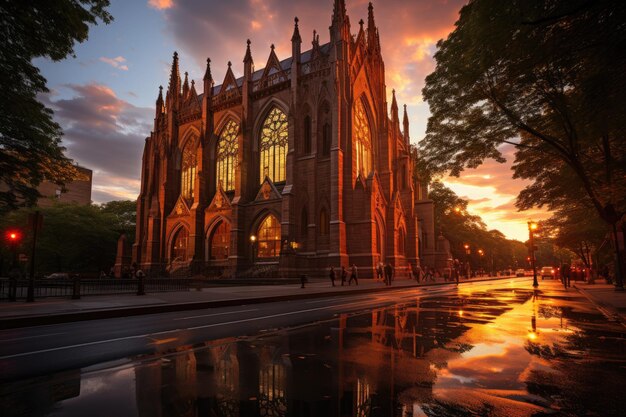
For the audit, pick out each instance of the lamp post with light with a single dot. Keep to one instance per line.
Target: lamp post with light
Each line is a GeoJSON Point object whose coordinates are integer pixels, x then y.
{"type": "Point", "coordinates": [481, 253]}
{"type": "Point", "coordinates": [532, 226]}
{"type": "Point", "coordinates": [467, 265]}
{"type": "Point", "coordinates": [252, 242]}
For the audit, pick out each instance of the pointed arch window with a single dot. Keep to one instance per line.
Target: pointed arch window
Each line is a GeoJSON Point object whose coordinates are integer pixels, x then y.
{"type": "Point", "coordinates": [188, 170]}
{"type": "Point", "coordinates": [268, 237]}
{"type": "Point", "coordinates": [220, 242]}
{"type": "Point", "coordinates": [326, 139]}
{"type": "Point", "coordinates": [324, 222]}
{"type": "Point", "coordinates": [307, 135]}
{"type": "Point", "coordinates": [273, 146]}
{"type": "Point", "coordinates": [226, 156]}
{"type": "Point", "coordinates": [401, 241]}
{"type": "Point", "coordinates": [179, 245]}
{"type": "Point", "coordinates": [362, 140]}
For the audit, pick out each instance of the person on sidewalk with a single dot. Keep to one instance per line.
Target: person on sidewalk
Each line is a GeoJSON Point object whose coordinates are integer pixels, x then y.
{"type": "Point", "coordinates": [379, 272]}
{"type": "Point", "coordinates": [417, 273]}
{"type": "Point", "coordinates": [332, 275]}
{"type": "Point", "coordinates": [388, 274]}
{"type": "Point", "coordinates": [344, 275]}
{"type": "Point", "coordinates": [410, 271]}
{"type": "Point", "coordinates": [354, 275]}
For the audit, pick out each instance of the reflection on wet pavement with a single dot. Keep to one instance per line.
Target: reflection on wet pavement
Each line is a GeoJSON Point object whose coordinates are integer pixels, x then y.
{"type": "Point", "coordinates": [507, 352]}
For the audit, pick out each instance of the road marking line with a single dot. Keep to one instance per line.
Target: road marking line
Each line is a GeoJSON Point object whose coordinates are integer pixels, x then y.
{"type": "Point", "coordinates": [217, 314]}
{"type": "Point", "coordinates": [31, 337]}
{"type": "Point", "coordinates": [117, 339]}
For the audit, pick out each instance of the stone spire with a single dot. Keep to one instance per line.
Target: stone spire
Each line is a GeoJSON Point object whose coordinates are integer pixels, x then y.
{"type": "Point", "coordinates": [339, 11]}
{"type": "Point", "coordinates": [405, 124]}
{"type": "Point", "coordinates": [296, 42]}
{"type": "Point", "coordinates": [159, 102]}
{"type": "Point", "coordinates": [372, 38]}
{"type": "Point", "coordinates": [248, 62]}
{"type": "Point", "coordinates": [186, 86]}
{"type": "Point", "coordinates": [173, 92]}
{"type": "Point", "coordinates": [207, 73]}
{"type": "Point", "coordinates": [394, 109]}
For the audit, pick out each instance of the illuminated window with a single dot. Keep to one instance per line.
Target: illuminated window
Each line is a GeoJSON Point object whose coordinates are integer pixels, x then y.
{"type": "Point", "coordinates": [362, 140]}
{"type": "Point", "coordinates": [220, 242]}
{"type": "Point", "coordinates": [324, 222]}
{"type": "Point", "coordinates": [179, 245]}
{"type": "Point", "coordinates": [273, 146]}
{"type": "Point", "coordinates": [307, 135]}
{"type": "Point", "coordinates": [188, 170]}
{"type": "Point", "coordinates": [226, 156]}
{"type": "Point", "coordinates": [268, 237]}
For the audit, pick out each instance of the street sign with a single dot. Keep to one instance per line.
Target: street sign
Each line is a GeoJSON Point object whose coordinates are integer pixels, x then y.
{"type": "Point", "coordinates": [23, 257]}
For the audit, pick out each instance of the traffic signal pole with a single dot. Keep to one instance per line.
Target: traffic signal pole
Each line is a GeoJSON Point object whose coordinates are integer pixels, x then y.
{"type": "Point", "coordinates": [531, 236]}
{"type": "Point", "coordinates": [35, 224]}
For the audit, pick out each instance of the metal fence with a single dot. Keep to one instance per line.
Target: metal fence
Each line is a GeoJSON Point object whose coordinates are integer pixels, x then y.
{"type": "Point", "coordinates": [104, 286]}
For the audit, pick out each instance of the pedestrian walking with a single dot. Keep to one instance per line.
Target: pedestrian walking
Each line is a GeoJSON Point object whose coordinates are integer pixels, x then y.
{"type": "Point", "coordinates": [388, 274]}
{"type": "Point", "coordinates": [332, 275]}
{"type": "Point", "coordinates": [417, 273]}
{"type": "Point", "coordinates": [410, 271]}
{"type": "Point", "coordinates": [379, 271]}
{"type": "Point", "coordinates": [344, 275]}
{"type": "Point", "coordinates": [566, 275]}
{"type": "Point", "coordinates": [354, 275]}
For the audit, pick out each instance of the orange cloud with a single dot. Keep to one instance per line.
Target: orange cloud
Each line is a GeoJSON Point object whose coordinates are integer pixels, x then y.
{"type": "Point", "coordinates": [161, 4]}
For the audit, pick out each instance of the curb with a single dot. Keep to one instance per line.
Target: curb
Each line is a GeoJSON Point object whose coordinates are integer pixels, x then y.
{"type": "Point", "coordinates": [610, 312]}
{"type": "Point", "coordinates": [43, 320]}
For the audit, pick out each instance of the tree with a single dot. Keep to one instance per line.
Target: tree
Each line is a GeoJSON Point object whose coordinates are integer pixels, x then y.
{"type": "Point", "coordinates": [548, 77]}
{"type": "Point", "coordinates": [125, 214]}
{"type": "Point", "coordinates": [30, 141]}
{"type": "Point", "coordinates": [74, 238]}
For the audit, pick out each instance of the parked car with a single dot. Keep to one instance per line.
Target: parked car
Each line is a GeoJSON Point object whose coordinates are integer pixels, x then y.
{"type": "Point", "coordinates": [547, 271]}
{"type": "Point", "coordinates": [60, 275]}
{"type": "Point", "coordinates": [520, 272]}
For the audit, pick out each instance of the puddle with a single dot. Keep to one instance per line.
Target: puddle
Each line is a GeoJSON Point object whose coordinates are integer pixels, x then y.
{"type": "Point", "coordinates": [502, 353]}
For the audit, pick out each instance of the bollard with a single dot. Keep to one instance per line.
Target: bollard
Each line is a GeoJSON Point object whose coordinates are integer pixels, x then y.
{"type": "Point", "coordinates": [76, 288]}
{"type": "Point", "coordinates": [140, 285]}
{"type": "Point", "coordinates": [303, 280]}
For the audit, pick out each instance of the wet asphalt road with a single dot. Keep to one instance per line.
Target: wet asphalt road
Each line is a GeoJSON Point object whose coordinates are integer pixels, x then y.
{"type": "Point", "coordinates": [484, 349]}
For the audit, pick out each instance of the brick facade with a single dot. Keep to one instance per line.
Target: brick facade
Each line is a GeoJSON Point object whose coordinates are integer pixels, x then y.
{"type": "Point", "coordinates": [330, 212]}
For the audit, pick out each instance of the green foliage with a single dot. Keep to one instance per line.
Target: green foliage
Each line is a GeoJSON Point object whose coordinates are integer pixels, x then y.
{"type": "Point", "coordinates": [547, 76]}
{"type": "Point", "coordinates": [30, 141]}
{"type": "Point", "coordinates": [460, 228]}
{"type": "Point", "coordinates": [74, 238]}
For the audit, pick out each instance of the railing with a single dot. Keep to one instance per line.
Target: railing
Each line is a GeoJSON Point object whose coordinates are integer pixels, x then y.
{"type": "Point", "coordinates": [75, 289]}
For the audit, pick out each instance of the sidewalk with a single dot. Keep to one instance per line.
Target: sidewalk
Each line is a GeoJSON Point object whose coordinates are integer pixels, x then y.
{"type": "Point", "coordinates": [62, 310]}
{"type": "Point", "coordinates": [610, 302]}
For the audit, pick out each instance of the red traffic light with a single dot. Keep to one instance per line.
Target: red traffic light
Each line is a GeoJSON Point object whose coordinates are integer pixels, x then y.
{"type": "Point", "coordinates": [13, 236]}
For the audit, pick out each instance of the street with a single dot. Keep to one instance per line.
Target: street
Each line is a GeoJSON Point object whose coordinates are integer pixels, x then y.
{"type": "Point", "coordinates": [488, 349]}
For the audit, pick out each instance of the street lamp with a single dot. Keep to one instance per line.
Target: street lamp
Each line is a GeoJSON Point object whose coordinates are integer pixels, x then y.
{"type": "Point", "coordinates": [467, 254]}
{"type": "Point", "coordinates": [252, 242]}
{"type": "Point", "coordinates": [532, 226]}
{"type": "Point", "coordinates": [481, 253]}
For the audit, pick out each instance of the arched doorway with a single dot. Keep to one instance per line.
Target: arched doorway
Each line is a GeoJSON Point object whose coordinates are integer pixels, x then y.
{"type": "Point", "coordinates": [179, 245]}
{"type": "Point", "coordinates": [268, 238]}
{"type": "Point", "coordinates": [219, 242]}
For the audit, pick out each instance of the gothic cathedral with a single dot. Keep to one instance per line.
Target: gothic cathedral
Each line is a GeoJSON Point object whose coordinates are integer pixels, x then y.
{"type": "Point", "coordinates": [288, 169]}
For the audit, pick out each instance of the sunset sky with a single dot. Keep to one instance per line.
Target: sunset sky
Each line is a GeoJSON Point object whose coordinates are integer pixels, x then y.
{"type": "Point", "coordinates": [104, 97]}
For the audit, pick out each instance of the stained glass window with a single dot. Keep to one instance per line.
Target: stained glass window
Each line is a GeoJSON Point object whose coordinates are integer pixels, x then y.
{"type": "Point", "coordinates": [273, 146]}
{"type": "Point", "coordinates": [226, 156]}
{"type": "Point", "coordinates": [268, 238]}
{"type": "Point", "coordinates": [179, 245]}
{"type": "Point", "coordinates": [188, 170]}
{"type": "Point", "coordinates": [362, 140]}
{"type": "Point", "coordinates": [220, 242]}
